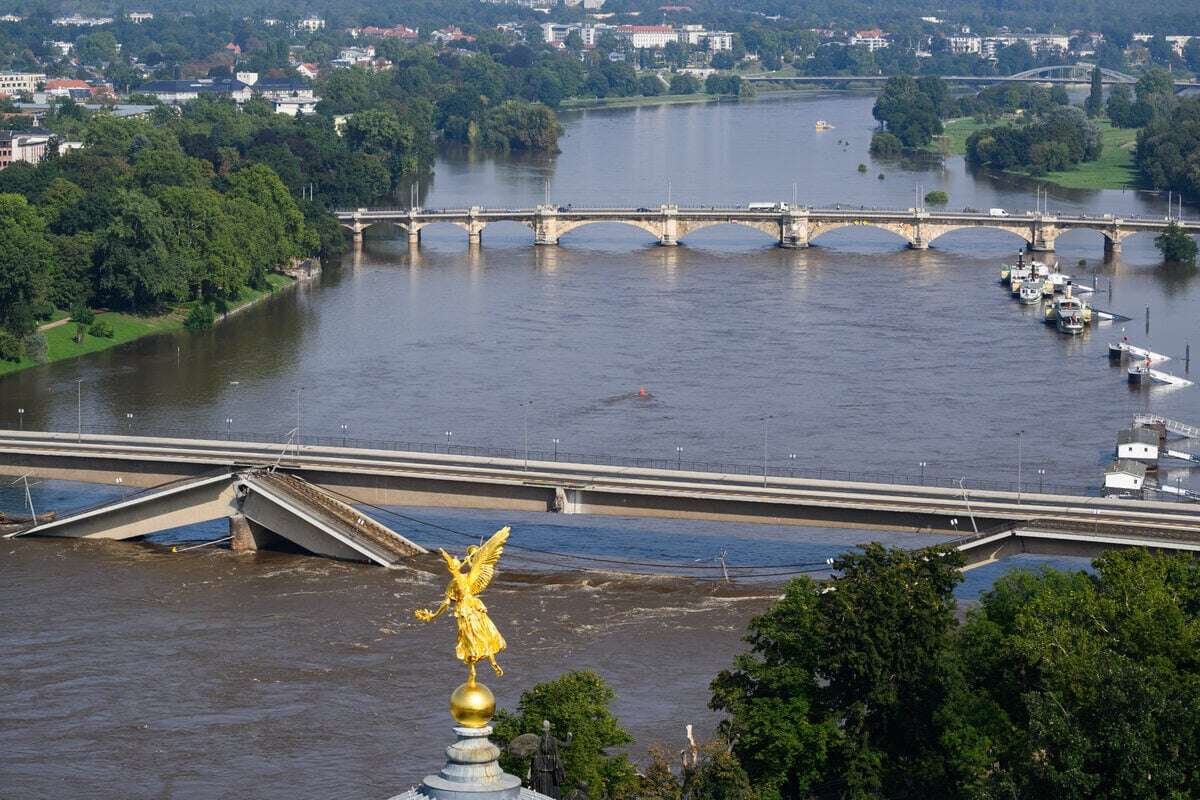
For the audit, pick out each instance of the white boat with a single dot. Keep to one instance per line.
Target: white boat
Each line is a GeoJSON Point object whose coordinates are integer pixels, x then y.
{"type": "Point", "coordinates": [1068, 313]}
{"type": "Point", "coordinates": [1006, 271]}
{"type": "Point", "coordinates": [1029, 293]}
{"type": "Point", "coordinates": [1055, 282]}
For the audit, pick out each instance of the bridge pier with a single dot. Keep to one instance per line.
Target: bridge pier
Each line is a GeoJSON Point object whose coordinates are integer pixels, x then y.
{"type": "Point", "coordinates": [669, 237]}
{"type": "Point", "coordinates": [247, 536]}
{"type": "Point", "coordinates": [793, 232]}
{"type": "Point", "coordinates": [545, 226]}
{"type": "Point", "coordinates": [1043, 238]}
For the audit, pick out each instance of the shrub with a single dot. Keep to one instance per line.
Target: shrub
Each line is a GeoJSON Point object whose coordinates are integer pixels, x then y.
{"type": "Point", "coordinates": [37, 348]}
{"type": "Point", "coordinates": [101, 330]}
{"type": "Point", "coordinates": [10, 347]}
{"type": "Point", "coordinates": [200, 318]}
{"type": "Point", "coordinates": [862, 168]}
{"type": "Point", "coordinates": [881, 176]}
{"type": "Point", "coordinates": [885, 144]}
{"type": "Point", "coordinates": [82, 314]}
{"type": "Point", "coordinates": [1176, 245]}
{"type": "Point", "coordinates": [937, 198]}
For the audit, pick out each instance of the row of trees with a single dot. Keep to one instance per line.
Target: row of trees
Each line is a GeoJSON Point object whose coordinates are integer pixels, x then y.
{"type": "Point", "coordinates": [134, 222]}
{"type": "Point", "coordinates": [1076, 686]}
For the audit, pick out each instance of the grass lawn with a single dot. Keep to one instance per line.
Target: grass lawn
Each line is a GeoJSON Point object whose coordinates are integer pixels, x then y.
{"type": "Point", "coordinates": [1113, 170]}
{"type": "Point", "coordinates": [60, 341]}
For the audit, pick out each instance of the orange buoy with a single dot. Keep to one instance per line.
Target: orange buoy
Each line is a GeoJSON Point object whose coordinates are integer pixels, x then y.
{"type": "Point", "coordinates": [642, 391]}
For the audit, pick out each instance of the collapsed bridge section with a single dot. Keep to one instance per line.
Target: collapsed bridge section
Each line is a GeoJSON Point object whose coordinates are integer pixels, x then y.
{"type": "Point", "coordinates": [263, 507]}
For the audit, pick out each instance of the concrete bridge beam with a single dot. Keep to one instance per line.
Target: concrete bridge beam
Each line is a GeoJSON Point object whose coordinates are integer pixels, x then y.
{"type": "Point", "coordinates": [669, 235]}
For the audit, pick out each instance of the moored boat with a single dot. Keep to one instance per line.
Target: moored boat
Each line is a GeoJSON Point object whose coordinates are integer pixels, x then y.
{"type": "Point", "coordinates": [1030, 293]}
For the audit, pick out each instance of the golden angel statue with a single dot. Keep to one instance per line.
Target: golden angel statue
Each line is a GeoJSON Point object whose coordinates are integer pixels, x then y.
{"type": "Point", "coordinates": [477, 635]}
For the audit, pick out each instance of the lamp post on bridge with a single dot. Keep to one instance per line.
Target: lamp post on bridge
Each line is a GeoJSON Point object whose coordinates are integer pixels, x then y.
{"type": "Point", "coordinates": [678, 459]}
{"type": "Point", "coordinates": [1041, 481]}
{"type": "Point", "coordinates": [923, 464]}
{"type": "Point", "coordinates": [525, 413]}
{"type": "Point", "coordinates": [345, 430]}
{"type": "Point", "coordinates": [449, 434]}
{"type": "Point", "coordinates": [228, 428]}
{"type": "Point", "coordinates": [1020, 434]}
{"type": "Point", "coordinates": [764, 422]}
{"type": "Point", "coordinates": [21, 416]}
{"type": "Point", "coordinates": [129, 422]}
{"type": "Point", "coordinates": [79, 409]}
{"type": "Point", "coordinates": [555, 440]}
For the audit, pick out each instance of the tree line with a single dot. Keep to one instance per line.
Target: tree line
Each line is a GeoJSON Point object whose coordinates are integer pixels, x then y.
{"type": "Point", "coordinates": [136, 221]}
{"type": "Point", "coordinates": [1072, 685]}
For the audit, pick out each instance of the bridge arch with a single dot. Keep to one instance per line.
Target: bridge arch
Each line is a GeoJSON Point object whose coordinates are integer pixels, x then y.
{"type": "Point", "coordinates": [1081, 71]}
{"type": "Point", "coordinates": [934, 232]}
{"type": "Point", "coordinates": [769, 227]}
{"type": "Point", "coordinates": [563, 227]}
{"type": "Point", "coordinates": [905, 232]}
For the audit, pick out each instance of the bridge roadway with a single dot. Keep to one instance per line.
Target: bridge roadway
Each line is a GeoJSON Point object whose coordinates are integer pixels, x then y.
{"type": "Point", "coordinates": [975, 80]}
{"type": "Point", "coordinates": [790, 227]}
{"type": "Point", "coordinates": [1067, 524]}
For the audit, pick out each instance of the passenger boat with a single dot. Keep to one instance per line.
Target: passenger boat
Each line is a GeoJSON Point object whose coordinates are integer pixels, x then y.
{"type": "Point", "coordinates": [1029, 293]}
{"type": "Point", "coordinates": [1055, 282]}
{"type": "Point", "coordinates": [1067, 308]}
{"type": "Point", "coordinates": [1006, 271]}
{"type": "Point", "coordinates": [822, 125]}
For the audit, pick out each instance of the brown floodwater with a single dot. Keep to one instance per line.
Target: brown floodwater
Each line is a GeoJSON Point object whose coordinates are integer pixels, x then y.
{"type": "Point", "coordinates": [131, 672]}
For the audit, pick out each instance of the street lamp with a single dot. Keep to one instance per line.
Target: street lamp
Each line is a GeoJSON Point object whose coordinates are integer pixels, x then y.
{"type": "Point", "coordinates": [525, 413]}
{"type": "Point", "coordinates": [448, 435]}
{"type": "Point", "coordinates": [1041, 481]}
{"type": "Point", "coordinates": [1019, 435]}
{"type": "Point", "coordinates": [792, 464]}
{"type": "Point", "coordinates": [129, 422]}
{"type": "Point", "coordinates": [924, 464]}
{"type": "Point", "coordinates": [228, 428]}
{"type": "Point", "coordinates": [79, 408]}
{"type": "Point", "coordinates": [345, 429]}
{"type": "Point", "coordinates": [764, 422]}
{"type": "Point", "coordinates": [299, 390]}
{"type": "Point", "coordinates": [21, 414]}
{"type": "Point", "coordinates": [555, 440]}
{"type": "Point", "coordinates": [678, 458]}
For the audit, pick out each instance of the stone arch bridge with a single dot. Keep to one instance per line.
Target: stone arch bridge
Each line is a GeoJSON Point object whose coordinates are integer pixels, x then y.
{"type": "Point", "coordinates": [789, 227]}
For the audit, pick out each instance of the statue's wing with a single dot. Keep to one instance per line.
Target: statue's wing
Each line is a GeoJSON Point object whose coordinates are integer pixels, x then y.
{"type": "Point", "coordinates": [483, 563]}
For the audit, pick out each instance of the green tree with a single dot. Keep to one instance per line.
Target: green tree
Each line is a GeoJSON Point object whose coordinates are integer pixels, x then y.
{"type": "Point", "coordinates": [684, 84]}
{"type": "Point", "coordinates": [575, 703]}
{"type": "Point", "coordinates": [909, 110]}
{"type": "Point", "coordinates": [24, 259]}
{"type": "Point", "coordinates": [1095, 100]}
{"type": "Point", "coordinates": [651, 85]}
{"type": "Point", "coordinates": [1176, 245]}
{"type": "Point", "coordinates": [133, 267]}
{"type": "Point", "coordinates": [719, 776]}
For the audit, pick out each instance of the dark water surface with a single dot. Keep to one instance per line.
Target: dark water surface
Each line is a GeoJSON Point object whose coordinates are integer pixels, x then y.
{"type": "Point", "coordinates": [129, 671]}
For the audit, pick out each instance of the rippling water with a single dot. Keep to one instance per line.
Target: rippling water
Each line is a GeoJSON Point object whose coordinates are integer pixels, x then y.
{"type": "Point", "coordinates": [129, 670]}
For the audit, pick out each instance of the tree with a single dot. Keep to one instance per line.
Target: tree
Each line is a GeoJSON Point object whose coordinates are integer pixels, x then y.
{"type": "Point", "coordinates": [576, 704]}
{"type": "Point", "coordinates": [684, 84]}
{"type": "Point", "coordinates": [885, 145]}
{"type": "Point", "coordinates": [651, 85]}
{"type": "Point", "coordinates": [853, 682]}
{"type": "Point", "coordinates": [1176, 245]}
{"type": "Point", "coordinates": [1095, 101]}
{"type": "Point", "coordinates": [24, 258]}
{"type": "Point", "coordinates": [908, 110]}
{"type": "Point", "coordinates": [1091, 680]}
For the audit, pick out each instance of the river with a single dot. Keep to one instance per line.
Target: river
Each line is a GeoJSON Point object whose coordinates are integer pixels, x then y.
{"type": "Point", "coordinates": [130, 670]}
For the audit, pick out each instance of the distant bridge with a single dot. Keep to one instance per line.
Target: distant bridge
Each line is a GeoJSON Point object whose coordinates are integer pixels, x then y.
{"type": "Point", "coordinates": [1066, 74]}
{"type": "Point", "coordinates": [790, 227]}
{"type": "Point", "coordinates": [206, 479]}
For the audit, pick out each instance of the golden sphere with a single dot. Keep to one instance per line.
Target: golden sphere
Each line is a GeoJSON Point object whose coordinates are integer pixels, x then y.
{"type": "Point", "coordinates": [472, 705]}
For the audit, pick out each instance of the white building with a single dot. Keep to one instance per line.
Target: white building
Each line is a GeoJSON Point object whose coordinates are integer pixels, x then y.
{"type": "Point", "coordinates": [29, 146]}
{"type": "Point", "coordinates": [964, 45]}
{"type": "Point", "coordinates": [311, 24]}
{"type": "Point", "coordinates": [1177, 42]}
{"type": "Point", "coordinates": [17, 82]}
{"type": "Point", "coordinates": [1038, 43]}
{"type": "Point", "coordinates": [719, 41]}
{"type": "Point", "coordinates": [81, 21]}
{"type": "Point", "coordinates": [1139, 444]}
{"type": "Point", "coordinates": [557, 31]}
{"type": "Point", "coordinates": [1124, 477]}
{"type": "Point", "coordinates": [873, 39]}
{"type": "Point", "coordinates": [641, 37]}
{"type": "Point", "coordinates": [138, 17]}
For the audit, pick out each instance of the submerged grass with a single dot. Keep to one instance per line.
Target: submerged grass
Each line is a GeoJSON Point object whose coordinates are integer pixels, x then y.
{"type": "Point", "coordinates": [61, 344]}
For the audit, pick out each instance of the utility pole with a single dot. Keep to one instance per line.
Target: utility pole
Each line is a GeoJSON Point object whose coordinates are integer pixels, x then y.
{"type": "Point", "coordinates": [79, 408]}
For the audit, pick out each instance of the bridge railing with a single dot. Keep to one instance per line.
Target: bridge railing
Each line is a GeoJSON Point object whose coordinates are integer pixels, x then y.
{"type": "Point", "coordinates": [287, 446]}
